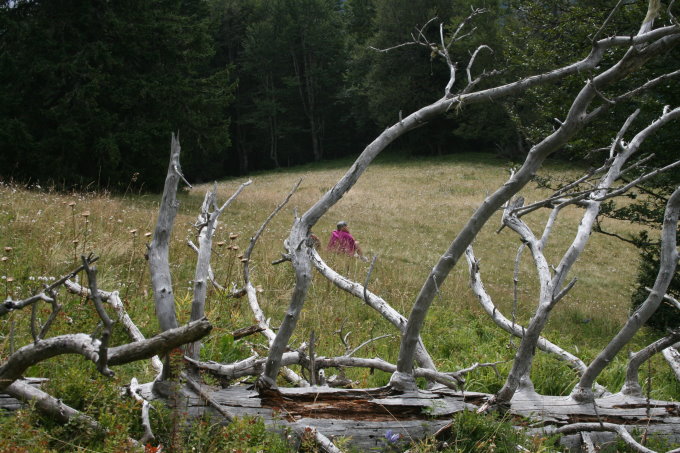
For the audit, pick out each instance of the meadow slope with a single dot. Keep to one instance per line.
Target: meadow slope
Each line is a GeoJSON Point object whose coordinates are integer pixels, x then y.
{"type": "Point", "coordinates": [405, 212]}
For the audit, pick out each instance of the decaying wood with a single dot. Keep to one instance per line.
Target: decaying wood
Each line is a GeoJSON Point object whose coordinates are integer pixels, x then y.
{"type": "Point", "coordinates": [655, 41]}
{"type": "Point", "coordinates": [247, 331]}
{"type": "Point", "coordinates": [251, 291]}
{"type": "Point", "coordinates": [10, 404]}
{"type": "Point", "coordinates": [102, 362]}
{"type": "Point", "coordinates": [22, 390]}
{"type": "Point", "coordinates": [365, 415]}
{"type": "Point", "coordinates": [253, 366]}
{"type": "Point", "coordinates": [672, 356]}
{"type": "Point", "coordinates": [323, 413]}
{"type": "Point", "coordinates": [669, 261]}
{"type": "Point", "coordinates": [577, 118]}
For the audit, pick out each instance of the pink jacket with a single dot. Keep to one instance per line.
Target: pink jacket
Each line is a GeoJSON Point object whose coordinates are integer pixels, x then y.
{"type": "Point", "coordinates": [342, 241]}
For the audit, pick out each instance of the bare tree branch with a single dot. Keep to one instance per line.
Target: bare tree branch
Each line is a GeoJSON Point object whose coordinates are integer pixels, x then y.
{"type": "Point", "coordinates": [88, 347]}
{"type": "Point", "coordinates": [377, 303]}
{"type": "Point", "coordinates": [10, 305]}
{"type": "Point", "coordinates": [618, 429]}
{"type": "Point", "coordinates": [113, 298]}
{"type": "Point", "coordinates": [102, 365]}
{"type": "Point", "coordinates": [656, 42]}
{"type": "Point", "coordinates": [207, 221]}
{"type": "Point", "coordinates": [632, 385]}
{"type": "Point", "coordinates": [668, 263]}
{"type": "Point", "coordinates": [133, 390]}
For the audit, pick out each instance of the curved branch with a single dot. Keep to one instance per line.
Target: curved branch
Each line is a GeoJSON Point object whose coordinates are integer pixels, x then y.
{"type": "Point", "coordinates": [668, 262]}
{"type": "Point", "coordinates": [659, 41]}
{"type": "Point", "coordinates": [612, 427]}
{"type": "Point", "coordinates": [113, 298]}
{"type": "Point", "coordinates": [511, 327]}
{"type": "Point", "coordinates": [253, 366]}
{"type": "Point", "coordinates": [632, 384]}
{"type": "Point", "coordinates": [88, 347]}
{"type": "Point", "coordinates": [375, 302]}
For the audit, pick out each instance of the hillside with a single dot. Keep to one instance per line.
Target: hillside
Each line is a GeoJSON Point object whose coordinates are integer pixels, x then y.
{"type": "Point", "coordinates": [405, 212]}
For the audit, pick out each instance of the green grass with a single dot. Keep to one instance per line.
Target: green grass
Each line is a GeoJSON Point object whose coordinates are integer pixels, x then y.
{"type": "Point", "coordinates": [405, 212]}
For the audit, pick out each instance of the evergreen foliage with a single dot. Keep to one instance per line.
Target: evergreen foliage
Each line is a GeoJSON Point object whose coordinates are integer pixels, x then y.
{"type": "Point", "coordinates": [92, 90]}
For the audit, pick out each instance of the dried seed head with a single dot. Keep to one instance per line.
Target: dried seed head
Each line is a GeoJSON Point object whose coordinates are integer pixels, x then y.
{"type": "Point", "coordinates": [220, 243]}
{"type": "Point", "coordinates": [4, 258]}
{"type": "Point", "coordinates": [85, 214]}
{"type": "Point", "coordinates": [148, 234]}
{"type": "Point", "coordinates": [233, 236]}
{"type": "Point", "coordinates": [72, 204]}
{"type": "Point", "coordinates": [234, 247]}
{"type": "Point", "coordinates": [8, 249]}
{"type": "Point", "coordinates": [244, 260]}
{"type": "Point", "coordinates": [133, 232]}
{"type": "Point", "coordinates": [75, 241]}
{"type": "Point", "coordinates": [240, 256]}
{"type": "Point", "coordinates": [10, 279]}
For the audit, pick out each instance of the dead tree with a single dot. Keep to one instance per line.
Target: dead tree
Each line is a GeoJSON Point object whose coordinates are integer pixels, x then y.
{"type": "Point", "coordinates": [642, 48]}
{"type": "Point", "coordinates": [347, 409]}
{"type": "Point", "coordinates": [555, 284]}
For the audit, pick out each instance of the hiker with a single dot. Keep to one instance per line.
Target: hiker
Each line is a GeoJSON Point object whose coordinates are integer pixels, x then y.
{"type": "Point", "coordinates": [343, 242]}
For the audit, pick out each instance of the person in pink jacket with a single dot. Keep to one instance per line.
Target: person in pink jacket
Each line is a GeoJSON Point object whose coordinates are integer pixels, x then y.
{"type": "Point", "coordinates": [343, 242]}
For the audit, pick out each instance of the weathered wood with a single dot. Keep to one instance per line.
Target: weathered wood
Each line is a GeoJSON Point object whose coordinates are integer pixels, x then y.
{"type": "Point", "coordinates": [85, 345]}
{"type": "Point", "coordinates": [207, 224]}
{"type": "Point", "coordinates": [672, 356]}
{"type": "Point", "coordinates": [247, 331]}
{"type": "Point", "coordinates": [365, 415]}
{"type": "Point", "coordinates": [655, 41]}
{"type": "Point", "coordinates": [159, 249]}
{"type": "Point", "coordinates": [580, 113]}
{"type": "Point", "coordinates": [9, 403]}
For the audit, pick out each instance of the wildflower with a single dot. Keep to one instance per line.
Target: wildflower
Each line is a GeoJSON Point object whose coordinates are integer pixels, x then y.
{"type": "Point", "coordinates": [8, 249]}
{"type": "Point", "coordinates": [391, 436]}
{"type": "Point", "coordinates": [72, 204]}
{"type": "Point", "coordinates": [220, 244]}
{"type": "Point", "coordinates": [85, 214]}
{"type": "Point", "coordinates": [133, 232]}
{"type": "Point", "coordinates": [4, 258]}
{"type": "Point", "coordinates": [233, 236]}
{"type": "Point", "coordinates": [147, 234]}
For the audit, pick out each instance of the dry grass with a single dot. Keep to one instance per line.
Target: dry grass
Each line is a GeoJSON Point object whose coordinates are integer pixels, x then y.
{"type": "Point", "coordinates": [407, 213]}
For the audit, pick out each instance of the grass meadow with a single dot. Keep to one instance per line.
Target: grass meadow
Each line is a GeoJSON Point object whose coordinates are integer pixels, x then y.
{"type": "Point", "coordinates": [404, 211]}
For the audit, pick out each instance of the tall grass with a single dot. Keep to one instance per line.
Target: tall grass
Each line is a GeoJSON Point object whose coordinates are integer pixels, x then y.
{"type": "Point", "coordinates": [405, 212]}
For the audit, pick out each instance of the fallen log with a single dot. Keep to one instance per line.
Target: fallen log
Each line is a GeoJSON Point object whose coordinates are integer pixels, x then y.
{"type": "Point", "coordinates": [366, 415]}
